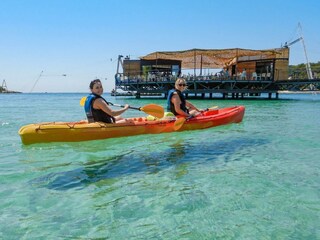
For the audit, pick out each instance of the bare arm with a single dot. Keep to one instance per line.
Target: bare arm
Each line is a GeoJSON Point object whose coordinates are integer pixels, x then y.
{"type": "Point", "coordinates": [100, 104]}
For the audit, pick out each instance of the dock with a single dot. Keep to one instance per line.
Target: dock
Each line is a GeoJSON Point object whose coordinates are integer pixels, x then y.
{"type": "Point", "coordinates": [220, 88]}
{"type": "Point", "coordinates": [211, 73]}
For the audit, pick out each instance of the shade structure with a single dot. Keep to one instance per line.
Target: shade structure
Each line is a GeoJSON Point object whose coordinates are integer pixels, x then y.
{"type": "Point", "coordinates": [214, 58]}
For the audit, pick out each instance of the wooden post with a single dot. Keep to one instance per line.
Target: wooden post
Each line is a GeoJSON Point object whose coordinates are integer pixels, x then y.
{"type": "Point", "coordinates": [194, 63]}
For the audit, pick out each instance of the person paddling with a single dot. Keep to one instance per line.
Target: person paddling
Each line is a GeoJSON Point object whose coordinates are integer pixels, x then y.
{"type": "Point", "coordinates": [177, 102]}
{"type": "Point", "coordinates": [97, 108]}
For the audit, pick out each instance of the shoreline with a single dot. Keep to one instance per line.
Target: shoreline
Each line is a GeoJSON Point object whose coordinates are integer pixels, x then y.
{"type": "Point", "coordinates": [8, 92]}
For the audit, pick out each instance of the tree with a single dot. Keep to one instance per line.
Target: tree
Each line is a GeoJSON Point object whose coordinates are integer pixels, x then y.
{"type": "Point", "coordinates": [299, 71]}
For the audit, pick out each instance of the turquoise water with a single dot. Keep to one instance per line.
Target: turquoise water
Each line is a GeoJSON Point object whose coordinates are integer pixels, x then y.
{"type": "Point", "coordinates": [259, 179]}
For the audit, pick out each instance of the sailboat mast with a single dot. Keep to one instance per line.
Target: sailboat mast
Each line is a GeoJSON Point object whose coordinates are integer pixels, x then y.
{"type": "Point", "coordinates": [308, 67]}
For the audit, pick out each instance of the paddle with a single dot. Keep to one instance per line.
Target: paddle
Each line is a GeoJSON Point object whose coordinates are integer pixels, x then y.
{"type": "Point", "coordinates": [151, 109]}
{"type": "Point", "coordinates": [180, 121]}
{"type": "Point", "coordinates": [82, 101]}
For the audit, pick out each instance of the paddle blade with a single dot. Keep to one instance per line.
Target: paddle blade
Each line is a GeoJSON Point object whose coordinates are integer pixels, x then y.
{"type": "Point", "coordinates": [82, 101]}
{"type": "Point", "coordinates": [179, 123]}
{"type": "Point", "coordinates": [153, 110]}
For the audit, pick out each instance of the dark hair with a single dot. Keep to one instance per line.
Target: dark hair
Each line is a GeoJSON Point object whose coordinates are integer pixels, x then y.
{"type": "Point", "coordinates": [93, 82]}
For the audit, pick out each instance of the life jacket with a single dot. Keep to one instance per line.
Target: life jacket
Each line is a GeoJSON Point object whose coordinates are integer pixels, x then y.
{"type": "Point", "coordinates": [170, 105]}
{"type": "Point", "coordinates": [96, 115]}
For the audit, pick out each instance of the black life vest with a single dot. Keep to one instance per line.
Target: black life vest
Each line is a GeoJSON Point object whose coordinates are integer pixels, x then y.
{"type": "Point", "coordinates": [96, 115]}
{"type": "Point", "coordinates": [170, 105]}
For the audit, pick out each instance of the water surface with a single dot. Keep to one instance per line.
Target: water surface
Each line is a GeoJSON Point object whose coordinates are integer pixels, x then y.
{"type": "Point", "coordinates": [255, 180]}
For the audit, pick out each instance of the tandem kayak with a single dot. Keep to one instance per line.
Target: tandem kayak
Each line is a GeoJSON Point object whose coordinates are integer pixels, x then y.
{"type": "Point", "coordinates": [84, 131]}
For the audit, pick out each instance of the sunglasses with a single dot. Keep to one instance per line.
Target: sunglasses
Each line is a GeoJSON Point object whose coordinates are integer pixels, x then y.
{"type": "Point", "coordinates": [182, 84]}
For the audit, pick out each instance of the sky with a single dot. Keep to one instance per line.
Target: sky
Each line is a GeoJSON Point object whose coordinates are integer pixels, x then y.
{"type": "Point", "coordinates": [61, 45]}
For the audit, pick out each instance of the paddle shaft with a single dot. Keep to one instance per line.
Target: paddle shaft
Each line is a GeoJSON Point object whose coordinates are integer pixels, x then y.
{"type": "Point", "coordinates": [118, 105]}
{"type": "Point", "coordinates": [151, 109]}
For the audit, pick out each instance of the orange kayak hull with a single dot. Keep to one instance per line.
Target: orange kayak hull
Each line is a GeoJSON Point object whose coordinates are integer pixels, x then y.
{"type": "Point", "coordinates": [83, 131]}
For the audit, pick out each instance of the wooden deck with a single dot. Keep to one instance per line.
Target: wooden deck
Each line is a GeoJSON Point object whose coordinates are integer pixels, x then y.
{"type": "Point", "coordinates": [223, 88]}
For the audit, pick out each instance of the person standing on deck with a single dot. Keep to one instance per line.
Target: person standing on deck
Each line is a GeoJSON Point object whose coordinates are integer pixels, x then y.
{"type": "Point", "coordinates": [244, 75]}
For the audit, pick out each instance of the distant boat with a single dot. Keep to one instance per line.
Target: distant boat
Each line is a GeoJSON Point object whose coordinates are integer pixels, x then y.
{"type": "Point", "coordinates": [115, 93]}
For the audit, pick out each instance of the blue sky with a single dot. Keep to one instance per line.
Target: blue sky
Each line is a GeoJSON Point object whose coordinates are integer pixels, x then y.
{"type": "Point", "coordinates": [82, 38]}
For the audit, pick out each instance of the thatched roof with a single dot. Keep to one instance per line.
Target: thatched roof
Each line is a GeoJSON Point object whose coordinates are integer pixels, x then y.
{"type": "Point", "coordinates": [213, 58]}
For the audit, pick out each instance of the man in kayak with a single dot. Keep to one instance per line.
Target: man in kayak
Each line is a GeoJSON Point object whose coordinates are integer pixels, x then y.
{"type": "Point", "coordinates": [97, 108]}
{"type": "Point", "coordinates": [177, 103]}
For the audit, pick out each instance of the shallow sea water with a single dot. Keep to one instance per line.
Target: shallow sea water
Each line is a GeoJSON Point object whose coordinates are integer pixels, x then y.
{"type": "Point", "coordinates": [259, 179]}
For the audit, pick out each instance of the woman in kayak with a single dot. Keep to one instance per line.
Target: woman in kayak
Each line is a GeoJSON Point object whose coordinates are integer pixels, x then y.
{"type": "Point", "coordinates": [97, 108]}
{"type": "Point", "coordinates": [177, 103]}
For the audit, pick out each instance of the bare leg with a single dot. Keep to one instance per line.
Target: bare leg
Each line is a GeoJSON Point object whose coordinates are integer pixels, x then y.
{"type": "Point", "coordinates": [194, 112]}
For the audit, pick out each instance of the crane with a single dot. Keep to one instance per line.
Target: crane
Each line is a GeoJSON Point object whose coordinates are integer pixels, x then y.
{"type": "Point", "coordinates": [286, 45]}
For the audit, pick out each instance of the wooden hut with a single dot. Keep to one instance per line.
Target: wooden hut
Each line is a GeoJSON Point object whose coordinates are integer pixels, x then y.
{"type": "Point", "coordinates": [271, 64]}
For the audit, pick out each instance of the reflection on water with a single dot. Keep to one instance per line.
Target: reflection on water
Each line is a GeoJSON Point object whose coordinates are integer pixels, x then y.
{"type": "Point", "coordinates": [132, 162]}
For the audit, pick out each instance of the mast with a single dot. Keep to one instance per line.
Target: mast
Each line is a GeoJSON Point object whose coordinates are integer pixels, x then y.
{"type": "Point", "coordinates": [35, 83]}
{"type": "Point", "coordinates": [194, 62]}
{"type": "Point", "coordinates": [308, 67]}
